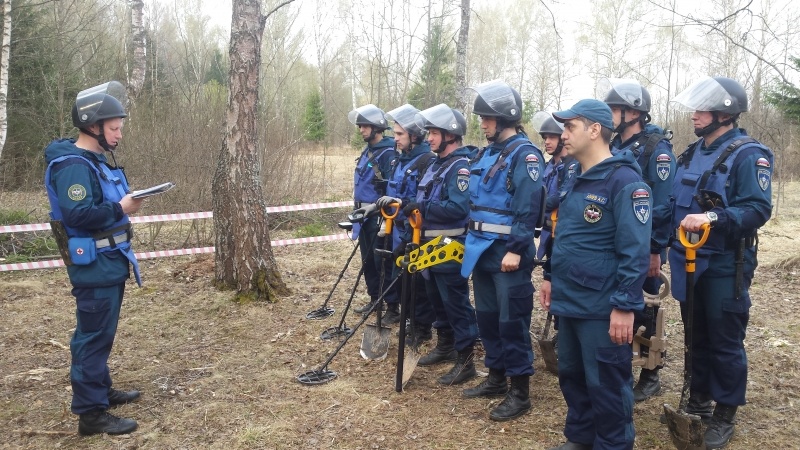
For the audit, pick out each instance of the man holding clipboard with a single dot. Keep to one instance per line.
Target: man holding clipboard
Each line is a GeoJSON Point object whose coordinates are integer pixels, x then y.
{"type": "Point", "coordinates": [90, 203]}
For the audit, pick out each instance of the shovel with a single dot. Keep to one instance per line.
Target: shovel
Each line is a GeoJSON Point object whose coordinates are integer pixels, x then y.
{"type": "Point", "coordinates": [407, 363]}
{"type": "Point", "coordinates": [548, 347]}
{"type": "Point", "coordinates": [685, 429]}
{"type": "Point", "coordinates": [375, 342]}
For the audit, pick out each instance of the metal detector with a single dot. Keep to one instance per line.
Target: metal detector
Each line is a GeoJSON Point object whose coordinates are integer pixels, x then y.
{"type": "Point", "coordinates": [685, 429]}
{"type": "Point", "coordinates": [323, 375]}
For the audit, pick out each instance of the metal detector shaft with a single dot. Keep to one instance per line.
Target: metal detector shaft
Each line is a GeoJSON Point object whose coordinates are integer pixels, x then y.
{"type": "Point", "coordinates": [401, 347]}
{"type": "Point", "coordinates": [360, 322]}
{"type": "Point", "coordinates": [311, 314]}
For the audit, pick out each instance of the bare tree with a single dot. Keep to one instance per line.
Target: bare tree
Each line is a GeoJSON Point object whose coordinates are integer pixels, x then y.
{"type": "Point", "coordinates": [461, 57]}
{"type": "Point", "coordinates": [244, 259]}
{"type": "Point", "coordinates": [5, 55]}
{"type": "Point", "coordinates": [139, 63]}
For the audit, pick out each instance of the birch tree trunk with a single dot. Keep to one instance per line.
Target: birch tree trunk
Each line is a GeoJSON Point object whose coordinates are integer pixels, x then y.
{"type": "Point", "coordinates": [5, 55]}
{"type": "Point", "coordinates": [461, 58]}
{"type": "Point", "coordinates": [244, 260]}
{"type": "Point", "coordinates": [139, 52]}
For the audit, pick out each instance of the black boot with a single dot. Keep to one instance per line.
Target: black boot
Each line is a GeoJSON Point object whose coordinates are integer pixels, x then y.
{"type": "Point", "coordinates": [363, 309]}
{"type": "Point", "coordinates": [444, 350]}
{"type": "Point", "coordinates": [116, 397]}
{"type": "Point", "coordinates": [648, 385]}
{"type": "Point", "coordinates": [463, 370]}
{"type": "Point", "coordinates": [517, 401]}
{"type": "Point", "coordinates": [421, 335]}
{"type": "Point", "coordinates": [392, 315]}
{"type": "Point", "coordinates": [569, 445]}
{"type": "Point", "coordinates": [99, 421]}
{"type": "Point", "coordinates": [720, 427]}
{"type": "Point", "coordinates": [495, 385]}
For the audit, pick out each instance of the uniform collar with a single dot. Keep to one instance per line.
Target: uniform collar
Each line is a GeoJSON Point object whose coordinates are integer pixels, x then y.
{"type": "Point", "coordinates": [604, 168]}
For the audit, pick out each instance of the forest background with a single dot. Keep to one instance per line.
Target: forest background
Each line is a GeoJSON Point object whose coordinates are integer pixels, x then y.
{"type": "Point", "coordinates": [322, 59]}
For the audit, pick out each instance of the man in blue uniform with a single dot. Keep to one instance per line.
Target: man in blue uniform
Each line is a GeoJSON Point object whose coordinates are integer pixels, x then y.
{"type": "Point", "coordinates": [593, 282]}
{"type": "Point", "coordinates": [506, 203]}
{"type": "Point", "coordinates": [372, 172]}
{"type": "Point", "coordinates": [414, 155]}
{"type": "Point", "coordinates": [443, 200]}
{"type": "Point", "coordinates": [558, 172]}
{"type": "Point", "coordinates": [723, 179]}
{"type": "Point", "coordinates": [630, 106]}
{"type": "Point", "coordinates": [90, 203]}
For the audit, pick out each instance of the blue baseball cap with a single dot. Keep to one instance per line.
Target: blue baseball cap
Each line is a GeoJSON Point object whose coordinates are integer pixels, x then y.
{"type": "Point", "coordinates": [590, 109]}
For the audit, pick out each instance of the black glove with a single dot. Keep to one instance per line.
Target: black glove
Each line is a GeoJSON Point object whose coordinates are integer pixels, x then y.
{"type": "Point", "coordinates": [399, 251]}
{"type": "Point", "coordinates": [385, 201]}
{"type": "Point", "coordinates": [409, 208]}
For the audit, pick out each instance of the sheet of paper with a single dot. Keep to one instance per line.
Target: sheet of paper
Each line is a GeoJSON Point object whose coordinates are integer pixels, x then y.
{"type": "Point", "coordinates": [155, 190]}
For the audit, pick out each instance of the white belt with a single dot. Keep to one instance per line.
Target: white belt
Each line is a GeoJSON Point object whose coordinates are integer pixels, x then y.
{"type": "Point", "coordinates": [449, 233]}
{"type": "Point", "coordinates": [489, 227]}
{"type": "Point", "coordinates": [116, 240]}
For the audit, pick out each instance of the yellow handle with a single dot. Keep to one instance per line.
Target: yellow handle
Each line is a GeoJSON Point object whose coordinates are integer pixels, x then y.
{"type": "Point", "coordinates": [691, 249]}
{"type": "Point", "coordinates": [415, 220]}
{"type": "Point", "coordinates": [389, 217]}
{"type": "Point", "coordinates": [554, 219]}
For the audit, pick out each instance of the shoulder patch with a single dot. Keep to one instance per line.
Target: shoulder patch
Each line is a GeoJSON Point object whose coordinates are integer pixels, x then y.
{"type": "Point", "coordinates": [463, 171]}
{"type": "Point", "coordinates": [76, 192]}
{"type": "Point", "coordinates": [462, 181]}
{"type": "Point", "coordinates": [663, 157]}
{"type": "Point", "coordinates": [532, 164]}
{"type": "Point", "coordinates": [762, 162]}
{"type": "Point", "coordinates": [641, 204]}
{"type": "Point", "coordinates": [531, 158]}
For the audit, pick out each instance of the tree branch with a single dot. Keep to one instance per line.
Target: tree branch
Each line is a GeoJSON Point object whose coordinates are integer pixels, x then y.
{"type": "Point", "coordinates": [265, 17]}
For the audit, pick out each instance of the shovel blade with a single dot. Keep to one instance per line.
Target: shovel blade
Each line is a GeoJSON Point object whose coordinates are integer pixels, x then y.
{"type": "Point", "coordinates": [548, 350]}
{"type": "Point", "coordinates": [685, 429]}
{"type": "Point", "coordinates": [410, 361]}
{"type": "Point", "coordinates": [375, 342]}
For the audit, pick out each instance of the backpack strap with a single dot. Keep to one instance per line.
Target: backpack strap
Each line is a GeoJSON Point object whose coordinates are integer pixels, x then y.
{"type": "Point", "coordinates": [718, 163]}
{"type": "Point", "coordinates": [500, 163]}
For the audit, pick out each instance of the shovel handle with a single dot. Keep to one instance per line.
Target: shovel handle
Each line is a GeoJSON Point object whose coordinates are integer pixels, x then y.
{"type": "Point", "coordinates": [415, 220]}
{"type": "Point", "coordinates": [691, 249]}
{"type": "Point", "coordinates": [389, 216]}
{"type": "Point", "coordinates": [554, 219]}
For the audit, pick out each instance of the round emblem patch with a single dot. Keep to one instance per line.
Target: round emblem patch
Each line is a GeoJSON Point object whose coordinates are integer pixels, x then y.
{"type": "Point", "coordinates": [592, 213]}
{"type": "Point", "coordinates": [76, 192]}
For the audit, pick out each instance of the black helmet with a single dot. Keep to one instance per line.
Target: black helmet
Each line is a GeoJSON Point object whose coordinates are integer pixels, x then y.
{"type": "Point", "coordinates": [544, 123]}
{"type": "Point", "coordinates": [625, 93]}
{"type": "Point", "coordinates": [497, 99]}
{"type": "Point", "coordinates": [718, 94]}
{"type": "Point", "coordinates": [444, 118]}
{"type": "Point", "coordinates": [99, 103]}
{"type": "Point", "coordinates": [404, 116]}
{"type": "Point", "coordinates": [368, 115]}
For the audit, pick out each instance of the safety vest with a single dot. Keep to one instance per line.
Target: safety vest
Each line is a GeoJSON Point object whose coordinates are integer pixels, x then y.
{"type": "Point", "coordinates": [698, 171]}
{"type": "Point", "coordinates": [114, 186]}
{"type": "Point", "coordinates": [367, 170]}
{"type": "Point", "coordinates": [431, 189]}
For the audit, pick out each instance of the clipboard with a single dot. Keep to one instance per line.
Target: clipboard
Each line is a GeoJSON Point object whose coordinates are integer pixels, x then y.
{"type": "Point", "coordinates": [155, 190]}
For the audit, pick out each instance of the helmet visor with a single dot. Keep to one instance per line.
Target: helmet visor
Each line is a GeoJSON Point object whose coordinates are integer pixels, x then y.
{"type": "Point", "coordinates": [617, 91]}
{"type": "Point", "coordinates": [544, 123]}
{"type": "Point", "coordinates": [405, 117]}
{"type": "Point", "coordinates": [705, 94]}
{"type": "Point", "coordinates": [90, 101]}
{"type": "Point", "coordinates": [367, 115]}
{"type": "Point", "coordinates": [498, 95]}
{"type": "Point", "coordinates": [439, 116]}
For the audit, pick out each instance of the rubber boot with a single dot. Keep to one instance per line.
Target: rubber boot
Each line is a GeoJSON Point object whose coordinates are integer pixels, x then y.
{"type": "Point", "coordinates": [720, 427]}
{"type": "Point", "coordinates": [99, 421]}
{"type": "Point", "coordinates": [517, 401]}
{"type": "Point", "coordinates": [444, 350]}
{"type": "Point", "coordinates": [463, 370]}
{"type": "Point", "coordinates": [649, 385]}
{"type": "Point", "coordinates": [495, 385]}
{"type": "Point", "coordinates": [392, 315]}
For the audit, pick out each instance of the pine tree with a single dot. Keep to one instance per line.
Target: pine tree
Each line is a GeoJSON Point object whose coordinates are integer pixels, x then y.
{"type": "Point", "coordinates": [314, 118]}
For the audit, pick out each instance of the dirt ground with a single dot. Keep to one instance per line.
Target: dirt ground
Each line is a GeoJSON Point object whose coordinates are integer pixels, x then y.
{"type": "Point", "coordinates": [217, 374]}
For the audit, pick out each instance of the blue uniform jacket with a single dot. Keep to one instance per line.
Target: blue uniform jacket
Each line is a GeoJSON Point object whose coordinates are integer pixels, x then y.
{"type": "Point", "coordinates": [601, 249]}
{"type": "Point", "coordinates": [658, 172]}
{"type": "Point", "coordinates": [557, 180]}
{"type": "Point", "coordinates": [83, 206]}
{"type": "Point", "coordinates": [381, 154]}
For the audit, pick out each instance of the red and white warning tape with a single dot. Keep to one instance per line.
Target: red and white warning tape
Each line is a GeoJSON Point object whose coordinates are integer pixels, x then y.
{"type": "Point", "coordinates": [183, 216]}
{"type": "Point", "coordinates": [53, 263]}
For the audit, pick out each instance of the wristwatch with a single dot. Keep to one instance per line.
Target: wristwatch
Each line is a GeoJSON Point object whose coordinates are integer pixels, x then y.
{"type": "Point", "coordinates": [712, 217]}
